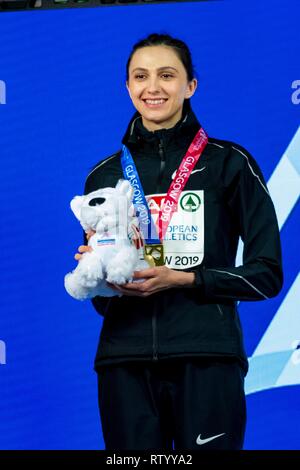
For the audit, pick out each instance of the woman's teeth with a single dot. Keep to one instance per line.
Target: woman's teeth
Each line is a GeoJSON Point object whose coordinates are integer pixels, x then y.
{"type": "Point", "coordinates": [155, 101]}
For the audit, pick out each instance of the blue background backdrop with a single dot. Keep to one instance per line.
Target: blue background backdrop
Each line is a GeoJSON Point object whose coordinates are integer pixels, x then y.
{"type": "Point", "coordinates": [64, 106]}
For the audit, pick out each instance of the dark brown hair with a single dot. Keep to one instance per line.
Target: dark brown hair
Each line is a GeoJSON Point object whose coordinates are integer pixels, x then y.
{"type": "Point", "coordinates": [179, 47]}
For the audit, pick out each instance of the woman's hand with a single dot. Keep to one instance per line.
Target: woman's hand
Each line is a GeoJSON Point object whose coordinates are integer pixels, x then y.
{"type": "Point", "coordinates": [156, 279]}
{"type": "Point", "coordinates": [84, 248]}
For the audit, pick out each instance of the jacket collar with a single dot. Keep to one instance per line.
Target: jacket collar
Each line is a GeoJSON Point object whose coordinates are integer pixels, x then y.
{"type": "Point", "coordinates": [180, 135]}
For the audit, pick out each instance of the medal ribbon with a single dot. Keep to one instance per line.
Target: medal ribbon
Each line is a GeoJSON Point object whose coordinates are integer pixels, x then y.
{"type": "Point", "coordinates": [187, 165]}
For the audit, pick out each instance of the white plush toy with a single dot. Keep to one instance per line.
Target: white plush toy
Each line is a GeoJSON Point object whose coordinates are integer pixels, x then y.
{"type": "Point", "coordinates": [116, 245]}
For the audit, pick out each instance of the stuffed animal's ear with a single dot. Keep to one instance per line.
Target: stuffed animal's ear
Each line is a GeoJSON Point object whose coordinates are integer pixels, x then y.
{"type": "Point", "coordinates": [125, 188]}
{"type": "Point", "coordinates": [76, 205]}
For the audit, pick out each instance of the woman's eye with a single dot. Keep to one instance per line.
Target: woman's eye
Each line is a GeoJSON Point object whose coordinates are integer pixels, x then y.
{"type": "Point", "coordinates": [164, 75]}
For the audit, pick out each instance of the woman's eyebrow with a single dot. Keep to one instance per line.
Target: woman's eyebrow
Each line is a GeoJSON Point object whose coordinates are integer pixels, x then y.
{"type": "Point", "coordinates": [159, 69]}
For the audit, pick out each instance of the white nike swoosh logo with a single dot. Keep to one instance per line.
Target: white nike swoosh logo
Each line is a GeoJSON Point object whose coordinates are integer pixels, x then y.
{"type": "Point", "coordinates": [194, 171]}
{"type": "Point", "coordinates": [200, 441]}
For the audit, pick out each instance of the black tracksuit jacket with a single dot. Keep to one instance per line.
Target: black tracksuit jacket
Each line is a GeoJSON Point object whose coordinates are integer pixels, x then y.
{"type": "Point", "coordinates": [202, 320]}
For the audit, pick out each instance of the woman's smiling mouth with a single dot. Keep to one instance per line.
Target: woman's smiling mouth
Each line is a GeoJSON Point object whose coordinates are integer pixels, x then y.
{"type": "Point", "coordinates": [154, 103]}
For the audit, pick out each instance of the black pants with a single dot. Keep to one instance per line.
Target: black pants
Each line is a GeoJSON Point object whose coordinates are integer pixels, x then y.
{"type": "Point", "coordinates": [195, 403]}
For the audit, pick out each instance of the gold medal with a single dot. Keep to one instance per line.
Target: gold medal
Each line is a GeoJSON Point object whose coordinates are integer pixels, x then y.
{"type": "Point", "coordinates": [154, 254]}
{"type": "Point", "coordinates": [150, 261]}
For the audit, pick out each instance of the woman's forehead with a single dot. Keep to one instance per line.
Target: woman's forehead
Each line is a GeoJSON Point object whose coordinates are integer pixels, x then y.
{"type": "Point", "coordinates": [155, 57]}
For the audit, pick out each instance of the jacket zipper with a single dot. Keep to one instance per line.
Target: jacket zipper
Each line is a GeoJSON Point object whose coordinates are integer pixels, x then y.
{"type": "Point", "coordinates": [160, 177]}
{"type": "Point", "coordinates": [162, 163]}
{"type": "Point", "coordinates": [154, 329]}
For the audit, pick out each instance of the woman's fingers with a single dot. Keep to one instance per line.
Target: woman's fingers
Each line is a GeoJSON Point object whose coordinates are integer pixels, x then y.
{"type": "Point", "coordinates": [82, 249]}
{"type": "Point", "coordinates": [89, 234]}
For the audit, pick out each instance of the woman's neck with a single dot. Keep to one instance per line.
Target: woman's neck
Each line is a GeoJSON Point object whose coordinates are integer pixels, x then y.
{"type": "Point", "coordinates": [168, 124]}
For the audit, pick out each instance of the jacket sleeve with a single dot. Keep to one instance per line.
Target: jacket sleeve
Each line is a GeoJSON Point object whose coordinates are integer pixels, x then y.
{"type": "Point", "coordinates": [260, 276]}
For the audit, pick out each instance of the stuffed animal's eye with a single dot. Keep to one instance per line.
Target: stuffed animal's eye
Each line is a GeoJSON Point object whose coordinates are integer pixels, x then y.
{"type": "Point", "coordinates": [97, 201]}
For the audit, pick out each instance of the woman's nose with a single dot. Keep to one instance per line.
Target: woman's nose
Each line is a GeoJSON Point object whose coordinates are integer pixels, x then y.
{"type": "Point", "coordinates": [153, 85]}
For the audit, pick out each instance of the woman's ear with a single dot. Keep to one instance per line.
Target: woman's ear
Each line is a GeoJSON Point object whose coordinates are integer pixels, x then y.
{"type": "Point", "coordinates": [191, 88]}
{"type": "Point", "coordinates": [127, 86]}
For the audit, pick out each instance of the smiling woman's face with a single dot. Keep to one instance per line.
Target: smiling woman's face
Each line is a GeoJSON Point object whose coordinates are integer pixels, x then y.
{"type": "Point", "coordinates": [158, 86]}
